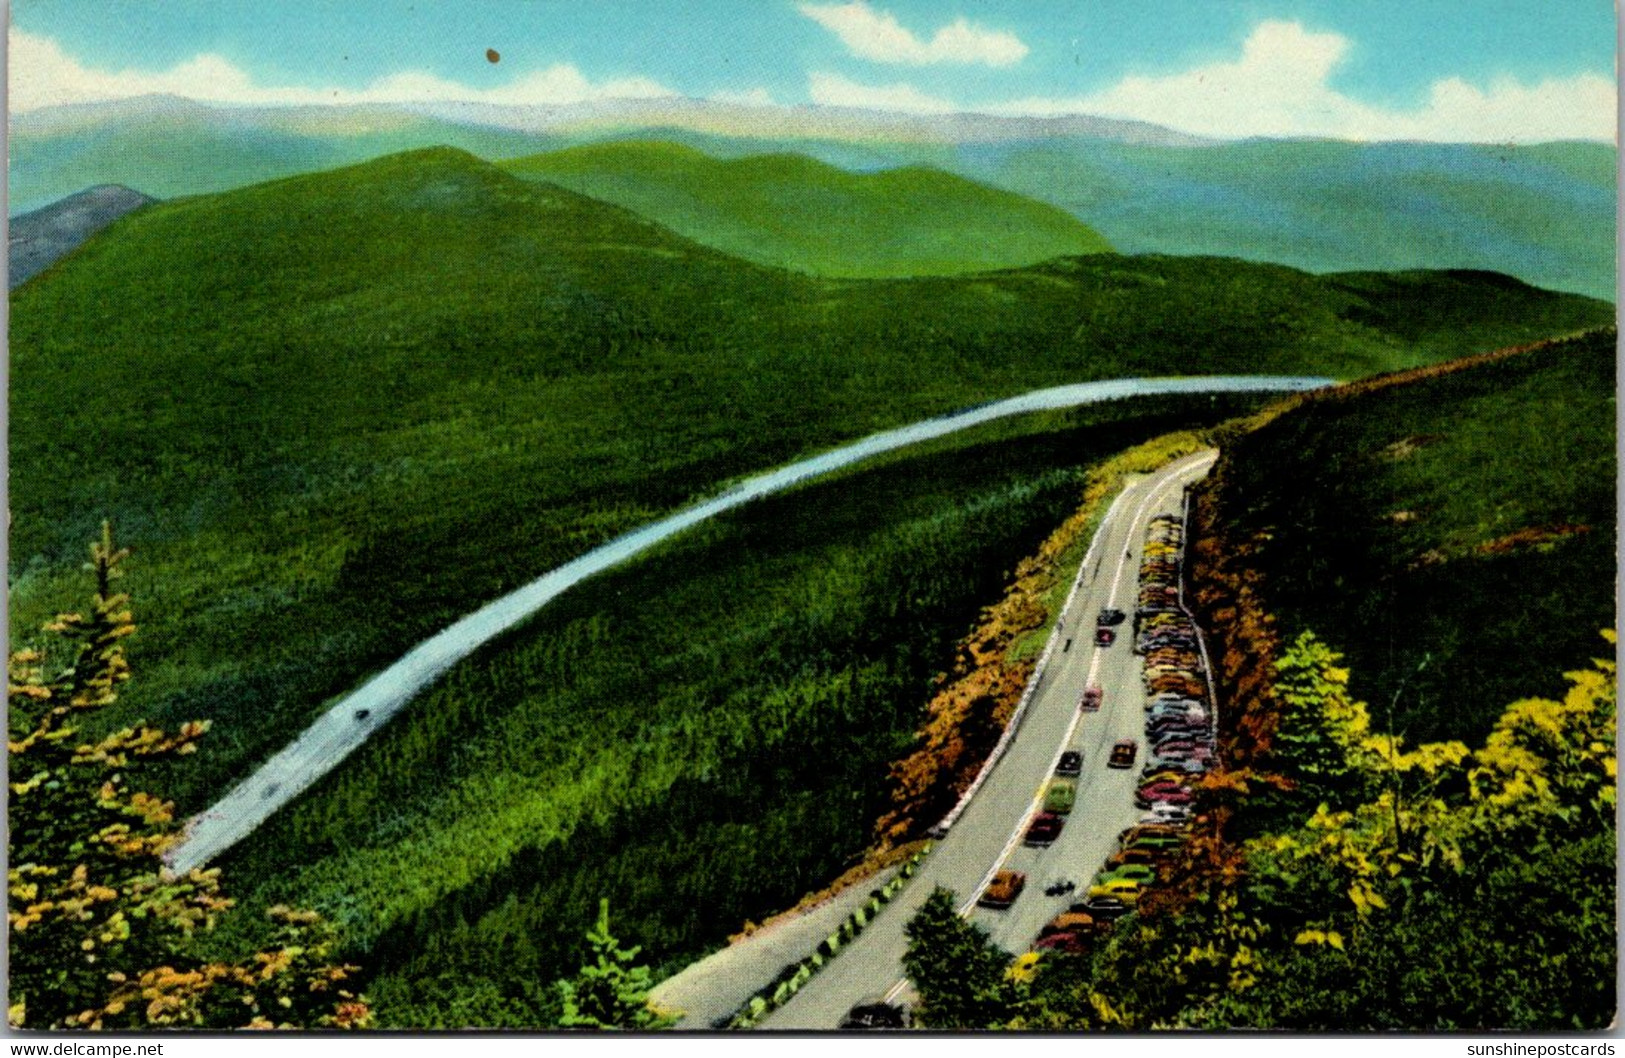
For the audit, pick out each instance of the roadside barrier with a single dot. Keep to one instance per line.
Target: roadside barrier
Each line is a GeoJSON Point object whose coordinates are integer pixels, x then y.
{"type": "Point", "coordinates": [791, 979]}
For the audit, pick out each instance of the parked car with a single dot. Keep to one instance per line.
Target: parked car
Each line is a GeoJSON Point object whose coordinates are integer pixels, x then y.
{"type": "Point", "coordinates": [1123, 754]}
{"type": "Point", "coordinates": [1175, 723]}
{"type": "Point", "coordinates": [1119, 889]}
{"type": "Point", "coordinates": [1104, 909]}
{"type": "Point", "coordinates": [1173, 767]}
{"type": "Point", "coordinates": [1069, 943]}
{"type": "Point", "coordinates": [1002, 891]}
{"type": "Point", "coordinates": [1162, 812]}
{"type": "Point", "coordinates": [1163, 793]}
{"type": "Point", "coordinates": [1073, 921]}
{"type": "Point", "coordinates": [1149, 855]}
{"type": "Point", "coordinates": [1060, 797]}
{"type": "Point", "coordinates": [1140, 831]}
{"type": "Point", "coordinates": [876, 1013]}
{"type": "Point", "coordinates": [1071, 763]}
{"type": "Point", "coordinates": [1138, 873]}
{"type": "Point", "coordinates": [1043, 830]}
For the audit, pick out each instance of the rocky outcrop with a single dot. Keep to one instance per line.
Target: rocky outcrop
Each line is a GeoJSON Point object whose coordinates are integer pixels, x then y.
{"type": "Point", "coordinates": [45, 236]}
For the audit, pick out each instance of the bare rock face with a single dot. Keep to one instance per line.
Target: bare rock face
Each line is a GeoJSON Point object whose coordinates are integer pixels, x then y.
{"type": "Point", "coordinates": [43, 237]}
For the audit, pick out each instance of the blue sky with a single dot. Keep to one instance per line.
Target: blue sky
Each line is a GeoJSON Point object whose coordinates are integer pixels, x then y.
{"type": "Point", "coordinates": [1360, 68]}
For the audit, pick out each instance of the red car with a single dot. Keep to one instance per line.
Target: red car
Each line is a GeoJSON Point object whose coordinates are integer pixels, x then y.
{"type": "Point", "coordinates": [1164, 792]}
{"type": "Point", "coordinates": [1091, 700]}
{"type": "Point", "coordinates": [1043, 830]}
{"type": "Point", "coordinates": [1123, 754]}
{"type": "Point", "coordinates": [1070, 943]}
{"type": "Point", "coordinates": [1105, 637]}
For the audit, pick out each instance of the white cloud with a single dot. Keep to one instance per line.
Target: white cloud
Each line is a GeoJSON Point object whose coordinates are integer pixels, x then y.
{"type": "Point", "coordinates": [41, 74]}
{"type": "Point", "coordinates": [830, 89]}
{"type": "Point", "coordinates": [871, 34]}
{"type": "Point", "coordinates": [1280, 86]}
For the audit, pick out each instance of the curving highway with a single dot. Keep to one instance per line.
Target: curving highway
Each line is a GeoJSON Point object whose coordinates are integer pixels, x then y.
{"type": "Point", "coordinates": [348, 724]}
{"type": "Point", "coordinates": [987, 833]}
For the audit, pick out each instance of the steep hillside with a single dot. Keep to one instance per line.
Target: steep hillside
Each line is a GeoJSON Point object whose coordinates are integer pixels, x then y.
{"type": "Point", "coordinates": [793, 211]}
{"type": "Point", "coordinates": [1455, 536]}
{"type": "Point", "coordinates": [43, 237]}
{"type": "Point", "coordinates": [335, 412]}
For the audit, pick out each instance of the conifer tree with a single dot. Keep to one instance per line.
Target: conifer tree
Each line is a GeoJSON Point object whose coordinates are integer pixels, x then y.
{"type": "Point", "coordinates": [101, 931]}
{"type": "Point", "coordinates": [958, 970]}
{"type": "Point", "coordinates": [612, 991]}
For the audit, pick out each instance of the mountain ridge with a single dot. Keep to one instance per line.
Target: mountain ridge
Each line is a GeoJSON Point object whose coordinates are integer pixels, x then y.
{"type": "Point", "coordinates": [790, 210]}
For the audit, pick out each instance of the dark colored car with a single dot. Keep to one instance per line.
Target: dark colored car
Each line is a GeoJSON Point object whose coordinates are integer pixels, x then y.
{"type": "Point", "coordinates": [1091, 700]}
{"type": "Point", "coordinates": [1103, 908]}
{"type": "Point", "coordinates": [1173, 767]}
{"type": "Point", "coordinates": [1043, 830]}
{"type": "Point", "coordinates": [876, 1014]}
{"type": "Point", "coordinates": [1071, 763]}
{"type": "Point", "coordinates": [1105, 637]}
{"type": "Point", "coordinates": [1175, 723]}
{"type": "Point", "coordinates": [1110, 616]}
{"type": "Point", "coordinates": [1123, 754]}
{"type": "Point", "coordinates": [1002, 891]}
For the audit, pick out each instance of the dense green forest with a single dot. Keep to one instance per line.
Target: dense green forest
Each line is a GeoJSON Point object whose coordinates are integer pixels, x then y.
{"type": "Point", "coordinates": [1391, 845]}
{"type": "Point", "coordinates": [705, 734]}
{"type": "Point", "coordinates": [1466, 520]}
{"type": "Point", "coordinates": [333, 413]}
{"type": "Point", "coordinates": [795, 212]}
{"type": "Point", "coordinates": [336, 412]}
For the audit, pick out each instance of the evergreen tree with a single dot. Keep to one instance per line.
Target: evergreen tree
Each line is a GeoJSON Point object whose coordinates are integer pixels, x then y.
{"type": "Point", "coordinates": [101, 930]}
{"type": "Point", "coordinates": [612, 991]}
{"type": "Point", "coordinates": [960, 974]}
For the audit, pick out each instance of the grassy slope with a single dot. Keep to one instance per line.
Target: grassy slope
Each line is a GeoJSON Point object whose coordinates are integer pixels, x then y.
{"type": "Point", "coordinates": [398, 389]}
{"type": "Point", "coordinates": [1521, 443]}
{"type": "Point", "coordinates": [792, 211]}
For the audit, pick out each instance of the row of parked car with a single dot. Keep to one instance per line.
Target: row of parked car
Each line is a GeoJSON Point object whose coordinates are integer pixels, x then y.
{"type": "Point", "coordinates": [1178, 727]}
{"type": "Point", "coordinates": [1179, 735]}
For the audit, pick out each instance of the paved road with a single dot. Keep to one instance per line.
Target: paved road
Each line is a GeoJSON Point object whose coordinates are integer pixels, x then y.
{"type": "Point", "coordinates": [347, 725]}
{"type": "Point", "coordinates": [987, 835]}
{"type": "Point", "coordinates": [712, 988]}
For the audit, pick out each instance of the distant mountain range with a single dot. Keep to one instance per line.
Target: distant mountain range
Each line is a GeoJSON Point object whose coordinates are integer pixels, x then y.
{"type": "Point", "coordinates": [1544, 213]}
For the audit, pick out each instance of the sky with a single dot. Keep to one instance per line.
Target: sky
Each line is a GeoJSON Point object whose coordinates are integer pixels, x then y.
{"type": "Point", "coordinates": [1449, 70]}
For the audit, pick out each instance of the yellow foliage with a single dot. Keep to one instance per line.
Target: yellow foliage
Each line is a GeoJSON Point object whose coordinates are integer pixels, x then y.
{"type": "Point", "coordinates": [1024, 968]}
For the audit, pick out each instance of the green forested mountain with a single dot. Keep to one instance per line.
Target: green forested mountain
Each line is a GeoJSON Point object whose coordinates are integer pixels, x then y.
{"type": "Point", "coordinates": [795, 212]}
{"type": "Point", "coordinates": [332, 413]}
